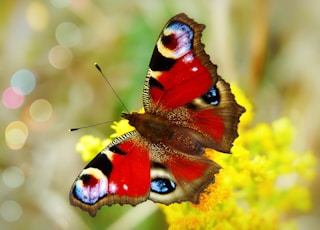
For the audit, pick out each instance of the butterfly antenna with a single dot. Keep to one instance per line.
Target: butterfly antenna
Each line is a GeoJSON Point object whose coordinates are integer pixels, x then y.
{"type": "Point", "coordinates": [105, 78]}
{"type": "Point", "coordinates": [89, 126]}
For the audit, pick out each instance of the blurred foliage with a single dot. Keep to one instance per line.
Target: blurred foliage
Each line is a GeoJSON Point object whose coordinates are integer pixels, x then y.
{"type": "Point", "coordinates": [270, 48]}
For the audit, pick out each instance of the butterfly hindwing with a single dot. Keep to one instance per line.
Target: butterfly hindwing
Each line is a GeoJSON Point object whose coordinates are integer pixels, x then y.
{"type": "Point", "coordinates": [177, 176]}
{"type": "Point", "coordinates": [216, 116]}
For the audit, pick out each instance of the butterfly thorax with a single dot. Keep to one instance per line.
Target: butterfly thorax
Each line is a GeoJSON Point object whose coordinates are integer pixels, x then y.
{"type": "Point", "coordinates": [158, 129]}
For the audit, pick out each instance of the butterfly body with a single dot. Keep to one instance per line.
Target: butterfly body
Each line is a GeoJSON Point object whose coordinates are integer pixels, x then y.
{"type": "Point", "coordinates": [158, 129]}
{"type": "Point", "coordinates": [188, 107]}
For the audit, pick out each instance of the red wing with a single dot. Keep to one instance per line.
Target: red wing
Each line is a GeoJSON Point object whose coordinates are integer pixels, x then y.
{"type": "Point", "coordinates": [119, 174]}
{"type": "Point", "coordinates": [179, 69]}
{"type": "Point", "coordinates": [177, 177]}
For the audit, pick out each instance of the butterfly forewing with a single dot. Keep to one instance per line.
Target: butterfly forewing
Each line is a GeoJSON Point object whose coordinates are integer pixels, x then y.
{"type": "Point", "coordinates": [119, 174]}
{"type": "Point", "coordinates": [179, 70]}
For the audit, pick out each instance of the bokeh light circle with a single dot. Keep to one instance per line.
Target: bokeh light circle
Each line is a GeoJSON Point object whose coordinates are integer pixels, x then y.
{"type": "Point", "coordinates": [16, 135]}
{"type": "Point", "coordinates": [40, 110]}
{"type": "Point", "coordinates": [60, 57]}
{"type": "Point", "coordinates": [12, 98]}
{"type": "Point", "coordinates": [10, 210]}
{"type": "Point", "coordinates": [24, 80]}
{"type": "Point", "coordinates": [68, 34]}
{"type": "Point", "coordinates": [13, 177]}
{"type": "Point", "coordinates": [37, 15]}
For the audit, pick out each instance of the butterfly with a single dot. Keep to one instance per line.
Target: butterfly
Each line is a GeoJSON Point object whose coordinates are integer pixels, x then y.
{"type": "Point", "coordinates": [188, 107]}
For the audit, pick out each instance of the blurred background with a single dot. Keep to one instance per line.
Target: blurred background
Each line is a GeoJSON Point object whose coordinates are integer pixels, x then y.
{"type": "Point", "coordinates": [49, 84]}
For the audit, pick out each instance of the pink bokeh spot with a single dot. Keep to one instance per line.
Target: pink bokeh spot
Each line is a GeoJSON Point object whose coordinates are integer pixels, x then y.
{"type": "Point", "coordinates": [12, 98]}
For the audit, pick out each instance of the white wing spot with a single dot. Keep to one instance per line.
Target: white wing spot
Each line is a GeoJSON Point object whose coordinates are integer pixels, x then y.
{"type": "Point", "coordinates": [194, 69]}
{"type": "Point", "coordinates": [113, 188]}
{"type": "Point", "coordinates": [188, 58]}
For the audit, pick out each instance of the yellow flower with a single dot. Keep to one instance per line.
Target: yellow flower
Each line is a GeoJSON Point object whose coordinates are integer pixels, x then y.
{"type": "Point", "coordinates": [89, 146]}
{"type": "Point", "coordinates": [260, 182]}
{"type": "Point", "coordinates": [247, 117]}
{"type": "Point", "coordinates": [120, 127]}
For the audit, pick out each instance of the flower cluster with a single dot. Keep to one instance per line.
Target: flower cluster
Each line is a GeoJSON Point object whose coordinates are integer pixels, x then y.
{"type": "Point", "coordinates": [260, 185]}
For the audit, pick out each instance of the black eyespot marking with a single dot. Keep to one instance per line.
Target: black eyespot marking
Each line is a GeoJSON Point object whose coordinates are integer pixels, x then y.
{"type": "Point", "coordinates": [162, 186]}
{"type": "Point", "coordinates": [158, 165]}
{"type": "Point", "coordinates": [212, 96]}
{"type": "Point", "coordinates": [86, 178]}
{"type": "Point", "coordinates": [102, 163]}
{"type": "Point", "coordinates": [169, 41]}
{"type": "Point", "coordinates": [116, 149]}
{"type": "Point", "coordinates": [154, 83]}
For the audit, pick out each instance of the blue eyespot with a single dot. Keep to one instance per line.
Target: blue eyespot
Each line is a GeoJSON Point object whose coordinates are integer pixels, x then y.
{"type": "Point", "coordinates": [179, 38]}
{"type": "Point", "coordinates": [162, 186]}
{"type": "Point", "coordinates": [181, 28]}
{"type": "Point", "coordinates": [212, 96]}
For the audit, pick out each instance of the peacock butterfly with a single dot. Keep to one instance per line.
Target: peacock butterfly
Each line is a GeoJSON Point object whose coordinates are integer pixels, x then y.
{"type": "Point", "coordinates": [188, 107]}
